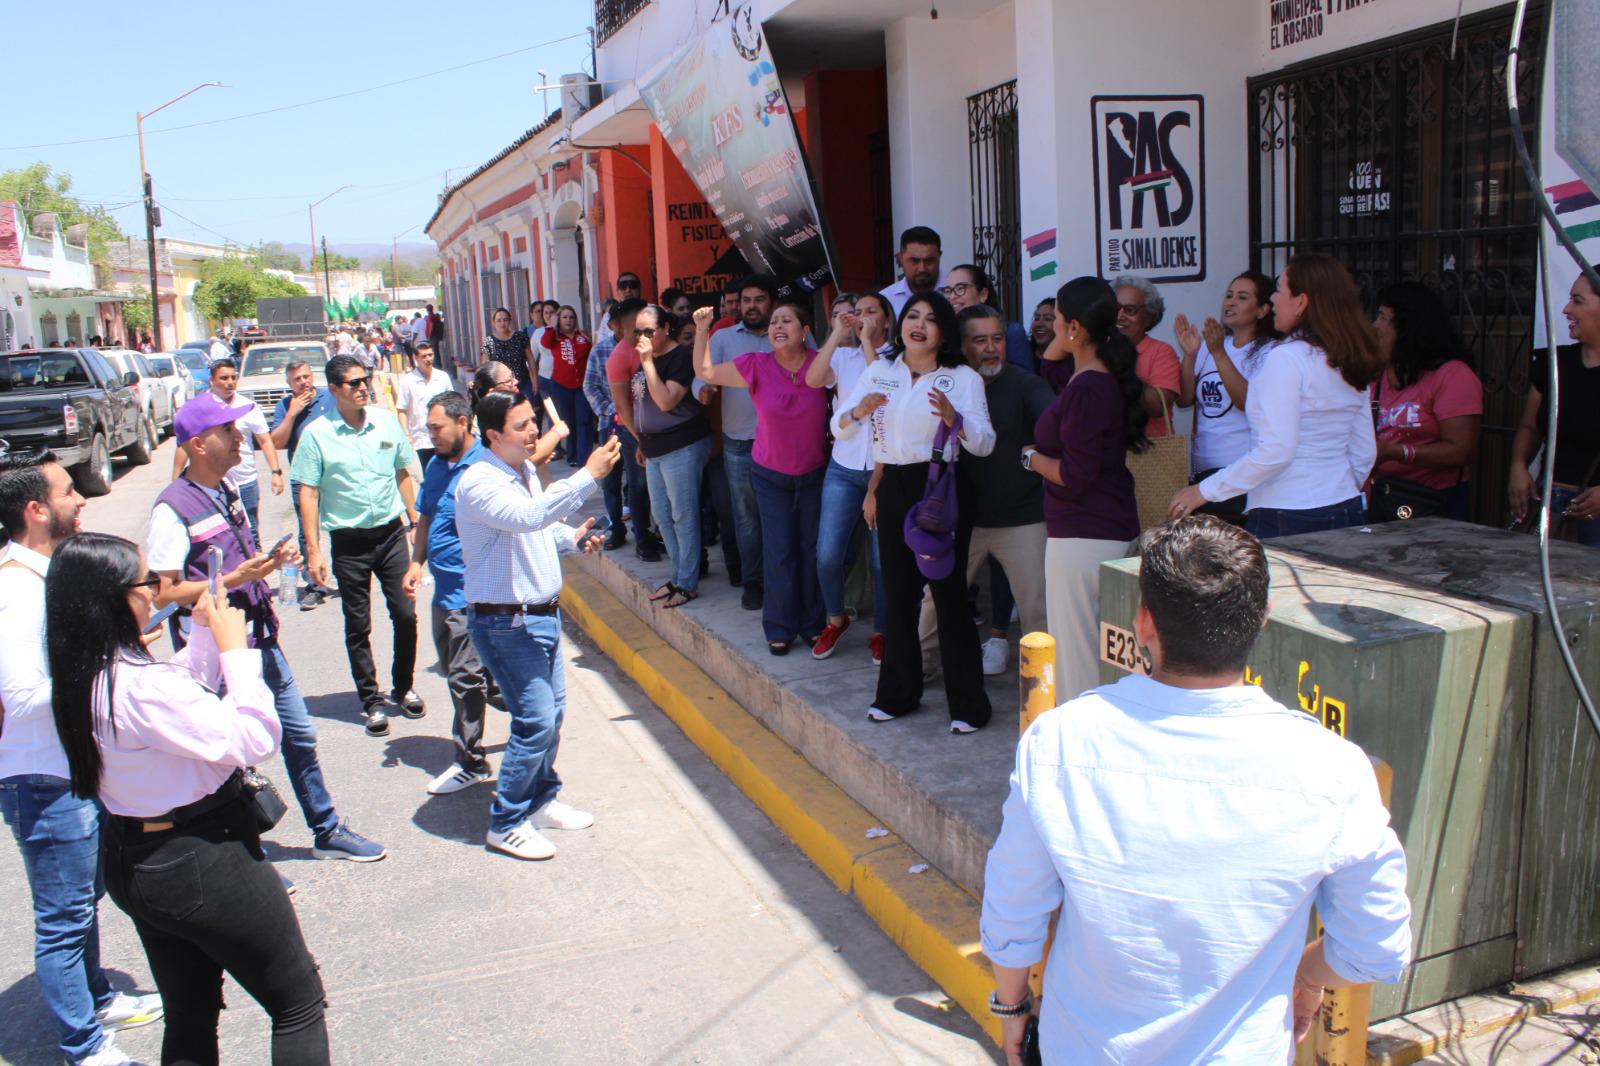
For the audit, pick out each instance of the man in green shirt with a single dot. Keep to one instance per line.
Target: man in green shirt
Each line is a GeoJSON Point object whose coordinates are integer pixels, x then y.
{"type": "Point", "coordinates": [354, 471]}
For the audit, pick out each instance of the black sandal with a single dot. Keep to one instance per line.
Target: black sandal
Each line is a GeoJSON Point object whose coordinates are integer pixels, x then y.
{"type": "Point", "coordinates": [779, 647]}
{"type": "Point", "coordinates": [679, 598]}
{"type": "Point", "coordinates": [663, 592]}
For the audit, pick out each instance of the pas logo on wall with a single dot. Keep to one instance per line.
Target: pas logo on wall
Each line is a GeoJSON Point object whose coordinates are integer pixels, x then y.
{"type": "Point", "coordinates": [1149, 186]}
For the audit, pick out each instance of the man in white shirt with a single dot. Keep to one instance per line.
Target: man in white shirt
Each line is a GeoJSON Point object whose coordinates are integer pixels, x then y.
{"type": "Point", "coordinates": [253, 424]}
{"type": "Point", "coordinates": [57, 832]}
{"type": "Point", "coordinates": [918, 258]}
{"type": "Point", "coordinates": [218, 351]}
{"type": "Point", "coordinates": [1184, 824]}
{"type": "Point", "coordinates": [417, 386]}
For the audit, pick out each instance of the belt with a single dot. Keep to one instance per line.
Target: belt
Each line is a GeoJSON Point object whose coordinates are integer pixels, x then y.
{"type": "Point", "coordinates": [368, 533]}
{"type": "Point", "coordinates": [518, 608]}
{"type": "Point", "coordinates": [226, 793]}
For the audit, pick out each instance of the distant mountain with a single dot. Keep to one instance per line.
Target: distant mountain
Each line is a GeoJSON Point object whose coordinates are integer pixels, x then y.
{"type": "Point", "coordinates": [409, 251]}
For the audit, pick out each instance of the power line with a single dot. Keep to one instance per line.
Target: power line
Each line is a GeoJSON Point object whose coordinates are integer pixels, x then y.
{"type": "Point", "coordinates": [208, 229]}
{"type": "Point", "coordinates": [303, 103]}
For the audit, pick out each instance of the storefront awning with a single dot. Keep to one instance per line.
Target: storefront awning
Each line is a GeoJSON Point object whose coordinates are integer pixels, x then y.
{"type": "Point", "coordinates": [620, 118]}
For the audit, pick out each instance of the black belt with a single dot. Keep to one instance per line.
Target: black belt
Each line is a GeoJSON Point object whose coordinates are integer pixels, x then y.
{"type": "Point", "coordinates": [382, 532]}
{"type": "Point", "coordinates": [226, 793]}
{"type": "Point", "coordinates": [518, 608]}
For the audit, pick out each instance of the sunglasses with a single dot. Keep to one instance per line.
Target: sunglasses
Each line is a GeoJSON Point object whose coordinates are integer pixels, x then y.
{"type": "Point", "coordinates": [355, 383]}
{"type": "Point", "coordinates": [151, 580]}
{"type": "Point", "coordinates": [647, 331]}
{"type": "Point", "coordinates": [1132, 309]}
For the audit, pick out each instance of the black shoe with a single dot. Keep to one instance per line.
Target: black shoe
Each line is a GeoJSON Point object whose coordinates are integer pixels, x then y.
{"type": "Point", "coordinates": [377, 720]}
{"type": "Point", "coordinates": [311, 599]}
{"type": "Point", "coordinates": [705, 563]}
{"type": "Point", "coordinates": [559, 453]}
{"type": "Point", "coordinates": [752, 598]}
{"type": "Point", "coordinates": [650, 553]}
{"type": "Point", "coordinates": [615, 541]}
{"type": "Point", "coordinates": [409, 703]}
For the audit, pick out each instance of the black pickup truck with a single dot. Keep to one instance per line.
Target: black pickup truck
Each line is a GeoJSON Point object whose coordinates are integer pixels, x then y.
{"type": "Point", "coordinates": [72, 401]}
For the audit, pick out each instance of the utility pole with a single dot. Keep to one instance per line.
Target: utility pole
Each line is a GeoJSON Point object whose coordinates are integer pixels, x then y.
{"type": "Point", "coordinates": [394, 264]}
{"type": "Point", "coordinates": [152, 216]}
{"type": "Point", "coordinates": [311, 212]}
{"type": "Point", "coordinates": [327, 280]}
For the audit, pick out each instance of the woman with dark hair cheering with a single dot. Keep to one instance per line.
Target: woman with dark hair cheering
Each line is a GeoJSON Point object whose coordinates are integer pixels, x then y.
{"type": "Point", "coordinates": [1081, 451]}
{"type": "Point", "coordinates": [182, 849]}
{"type": "Point", "coordinates": [1311, 439]}
{"type": "Point", "coordinates": [1430, 408]}
{"type": "Point", "coordinates": [905, 399]}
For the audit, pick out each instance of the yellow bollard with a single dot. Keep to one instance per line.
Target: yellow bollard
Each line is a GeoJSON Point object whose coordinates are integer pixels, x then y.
{"type": "Point", "coordinates": [1036, 674]}
{"type": "Point", "coordinates": [1338, 1034]}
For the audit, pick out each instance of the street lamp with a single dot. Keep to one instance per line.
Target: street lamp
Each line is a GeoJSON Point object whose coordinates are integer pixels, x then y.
{"type": "Point", "coordinates": [311, 210]}
{"type": "Point", "coordinates": [394, 264]}
{"type": "Point", "coordinates": [150, 208]}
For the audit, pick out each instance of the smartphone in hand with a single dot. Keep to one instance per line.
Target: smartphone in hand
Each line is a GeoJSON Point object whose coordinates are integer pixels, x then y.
{"type": "Point", "coordinates": [214, 571]}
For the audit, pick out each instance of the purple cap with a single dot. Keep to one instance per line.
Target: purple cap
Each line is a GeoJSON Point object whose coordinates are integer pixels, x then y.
{"type": "Point", "coordinates": [935, 552]}
{"type": "Point", "coordinates": [205, 412]}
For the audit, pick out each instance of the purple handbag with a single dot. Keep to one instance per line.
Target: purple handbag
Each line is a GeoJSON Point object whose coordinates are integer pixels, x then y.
{"type": "Point", "coordinates": [930, 526]}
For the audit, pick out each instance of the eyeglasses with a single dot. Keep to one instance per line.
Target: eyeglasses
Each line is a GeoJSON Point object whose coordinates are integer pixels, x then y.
{"type": "Point", "coordinates": [151, 580]}
{"type": "Point", "coordinates": [958, 289]}
{"type": "Point", "coordinates": [1132, 309]}
{"type": "Point", "coordinates": [355, 383]}
{"type": "Point", "coordinates": [627, 284]}
{"type": "Point", "coordinates": [647, 331]}
{"type": "Point", "coordinates": [509, 385]}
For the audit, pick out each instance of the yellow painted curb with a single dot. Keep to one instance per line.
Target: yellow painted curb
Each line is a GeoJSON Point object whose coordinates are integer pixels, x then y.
{"type": "Point", "coordinates": [932, 919]}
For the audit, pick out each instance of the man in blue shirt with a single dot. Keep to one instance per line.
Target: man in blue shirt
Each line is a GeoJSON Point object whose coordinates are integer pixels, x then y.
{"type": "Point", "coordinates": [305, 404]}
{"type": "Point", "coordinates": [438, 544]}
{"type": "Point", "coordinates": [1184, 824]}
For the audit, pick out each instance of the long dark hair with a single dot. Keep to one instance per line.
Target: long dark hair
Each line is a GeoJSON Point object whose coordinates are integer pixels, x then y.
{"type": "Point", "coordinates": [89, 626]}
{"type": "Point", "coordinates": [1424, 337]}
{"type": "Point", "coordinates": [1334, 320]}
{"type": "Point", "coordinates": [1266, 327]}
{"type": "Point", "coordinates": [1092, 304]}
{"type": "Point", "coordinates": [944, 316]}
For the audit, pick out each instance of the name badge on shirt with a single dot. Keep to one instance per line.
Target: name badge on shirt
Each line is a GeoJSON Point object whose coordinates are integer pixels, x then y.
{"type": "Point", "coordinates": [944, 382]}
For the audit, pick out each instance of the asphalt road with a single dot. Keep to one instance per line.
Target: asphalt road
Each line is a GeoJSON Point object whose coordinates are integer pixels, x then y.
{"type": "Point", "coordinates": [683, 928]}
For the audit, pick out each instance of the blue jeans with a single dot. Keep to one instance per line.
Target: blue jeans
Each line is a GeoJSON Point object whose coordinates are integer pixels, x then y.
{"type": "Point", "coordinates": [574, 409]}
{"type": "Point", "coordinates": [1269, 522]}
{"type": "Point", "coordinates": [714, 488]}
{"type": "Point", "coordinates": [300, 534]}
{"type": "Point", "coordinates": [1587, 529]}
{"type": "Point", "coordinates": [675, 500]}
{"type": "Point", "coordinates": [523, 653]}
{"type": "Point", "coordinates": [59, 837]}
{"type": "Point", "coordinates": [737, 462]}
{"type": "Point", "coordinates": [299, 741]}
{"type": "Point", "coordinates": [842, 493]}
{"type": "Point", "coordinates": [250, 496]}
{"type": "Point", "coordinates": [791, 510]}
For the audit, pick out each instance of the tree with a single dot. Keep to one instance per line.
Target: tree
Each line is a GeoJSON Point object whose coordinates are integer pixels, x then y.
{"type": "Point", "coordinates": [136, 312]}
{"type": "Point", "coordinates": [229, 288]}
{"type": "Point", "coordinates": [39, 188]}
{"type": "Point", "coordinates": [272, 256]}
{"type": "Point", "coordinates": [411, 273]}
{"type": "Point", "coordinates": [335, 262]}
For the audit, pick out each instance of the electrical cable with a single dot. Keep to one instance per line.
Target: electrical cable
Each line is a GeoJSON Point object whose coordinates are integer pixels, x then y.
{"type": "Point", "coordinates": [1547, 474]}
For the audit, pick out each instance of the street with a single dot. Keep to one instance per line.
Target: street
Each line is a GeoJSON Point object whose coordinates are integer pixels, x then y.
{"type": "Point", "coordinates": [684, 928]}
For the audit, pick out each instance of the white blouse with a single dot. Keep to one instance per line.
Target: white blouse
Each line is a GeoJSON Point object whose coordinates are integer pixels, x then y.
{"type": "Point", "coordinates": [903, 429]}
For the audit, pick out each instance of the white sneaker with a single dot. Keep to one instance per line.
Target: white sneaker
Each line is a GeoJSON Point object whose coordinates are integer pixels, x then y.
{"type": "Point", "coordinates": [455, 779]}
{"type": "Point", "coordinates": [522, 842]}
{"type": "Point", "coordinates": [558, 815]}
{"type": "Point", "coordinates": [107, 1054]}
{"type": "Point", "coordinates": [995, 652]}
{"type": "Point", "coordinates": [129, 1011]}
{"type": "Point", "coordinates": [959, 727]}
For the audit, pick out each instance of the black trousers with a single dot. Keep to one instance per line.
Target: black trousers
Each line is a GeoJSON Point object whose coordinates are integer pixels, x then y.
{"type": "Point", "coordinates": [204, 901]}
{"type": "Point", "coordinates": [469, 683]}
{"type": "Point", "coordinates": [900, 677]}
{"type": "Point", "coordinates": [359, 555]}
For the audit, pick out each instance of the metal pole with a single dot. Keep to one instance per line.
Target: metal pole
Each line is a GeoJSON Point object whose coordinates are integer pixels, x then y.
{"type": "Point", "coordinates": [150, 238]}
{"type": "Point", "coordinates": [1036, 674]}
{"type": "Point", "coordinates": [327, 279]}
{"type": "Point", "coordinates": [394, 270]}
{"type": "Point", "coordinates": [311, 256]}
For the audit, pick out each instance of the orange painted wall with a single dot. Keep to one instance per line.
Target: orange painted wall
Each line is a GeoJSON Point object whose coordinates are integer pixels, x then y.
{"type": "Point", "coordinates": [625, 231]}
{"type": "Point", "coordinates": [689, 239]}
{"type": "Point", "coordinates": [843, 109]}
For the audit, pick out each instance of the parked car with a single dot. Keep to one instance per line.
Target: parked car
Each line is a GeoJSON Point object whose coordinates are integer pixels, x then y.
{"type": "Point", "coordinates": [153, 392]}
{"type": "Point", "coordinates": [263, 379]}
{"type": "Point", "coordinates": [175, 376]}
{"type": "Point", "coordinates": [74, 402]}
{"type": "Point", "coordinates": [198, 365]}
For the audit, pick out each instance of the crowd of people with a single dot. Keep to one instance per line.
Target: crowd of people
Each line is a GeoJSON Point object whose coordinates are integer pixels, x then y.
{"type": "Point", "coordinates": [916, 432]}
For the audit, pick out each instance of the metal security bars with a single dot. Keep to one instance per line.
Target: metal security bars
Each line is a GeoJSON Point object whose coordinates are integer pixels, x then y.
{"type": "Point", "coordinates": [1397, 159]}
{"type": "Point", "coordinates": [610, 15]}
{"type": "Point", "coordinates": [996, 192]}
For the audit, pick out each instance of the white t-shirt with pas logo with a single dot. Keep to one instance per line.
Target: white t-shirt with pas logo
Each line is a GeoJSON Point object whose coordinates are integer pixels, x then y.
{"type": "Point", "coordinates": [1221, 431]}
{"type": "Point", "coordinates": [903, 429]}
{"type": "Point", "coordinates": [415, 392]}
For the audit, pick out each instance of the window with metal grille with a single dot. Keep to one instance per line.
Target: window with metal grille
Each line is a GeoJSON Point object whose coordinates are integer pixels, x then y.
{"type": "Point", "coordinates": [1398, 160]}
{"type": "Point", "coordinates": [996, 193]}
{"type": "Point", "coordinates": [610, 15]}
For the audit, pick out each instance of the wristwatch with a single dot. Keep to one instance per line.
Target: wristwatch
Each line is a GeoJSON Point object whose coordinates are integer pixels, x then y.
{"type": "Point", "coordinates": [277, 473]}
{"type": "Point", "coordinates": [1027, 458]}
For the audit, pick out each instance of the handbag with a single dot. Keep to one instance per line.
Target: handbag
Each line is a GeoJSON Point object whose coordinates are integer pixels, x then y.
{"type": "Point", "coordinates": [1159, 472]}
{"type": "Point", "coordinates": [1396, 499]}
{"type": "Point", "coordinates": [930, 525]}
{"type": "Point", "coordinates": [266, 803]}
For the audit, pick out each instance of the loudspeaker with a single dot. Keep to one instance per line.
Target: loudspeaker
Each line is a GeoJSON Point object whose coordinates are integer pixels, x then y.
{"type": "Point", "coordinates": [1577, 87]}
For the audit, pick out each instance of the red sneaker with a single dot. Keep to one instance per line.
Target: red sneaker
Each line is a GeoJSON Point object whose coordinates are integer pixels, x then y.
{"type": "Point", "coordinates": [875, 646]}
{"type": "Point", "coordinates": [829, 637]}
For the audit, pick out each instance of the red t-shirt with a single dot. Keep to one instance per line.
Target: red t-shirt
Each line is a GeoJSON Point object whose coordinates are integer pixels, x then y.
{"type": "Point", "coordinates": [1412, 415]}
{"type": "Point", "coordinates": [1157, 366]}
{"type": "Point", "coordinates": [569, 357]}
{"type": "Point", "coordinates": [623, 363]}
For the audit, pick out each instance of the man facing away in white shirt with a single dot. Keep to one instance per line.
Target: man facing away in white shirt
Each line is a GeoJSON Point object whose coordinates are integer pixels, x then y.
{"type": "Point", "coordinates": [418, 385]}
{"type": "Point", "coordinates": [1185, 823]}
{"type": "Point", "coordinates": [57, 832]}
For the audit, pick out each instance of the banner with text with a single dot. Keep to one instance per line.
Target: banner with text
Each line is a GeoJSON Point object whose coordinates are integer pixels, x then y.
{"type": "Point", "coordinates": [722, 111]}
{"type": "Point", "coordinates": [1150, 186]}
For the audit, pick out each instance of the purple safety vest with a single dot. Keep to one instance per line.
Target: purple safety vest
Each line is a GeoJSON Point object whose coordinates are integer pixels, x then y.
{"type": "Point", "coordinates": [210, 527]}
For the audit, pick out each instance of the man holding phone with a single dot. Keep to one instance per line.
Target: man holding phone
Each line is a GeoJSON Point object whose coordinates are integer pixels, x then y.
{"type": "Point", "coordinates": [200, 513]}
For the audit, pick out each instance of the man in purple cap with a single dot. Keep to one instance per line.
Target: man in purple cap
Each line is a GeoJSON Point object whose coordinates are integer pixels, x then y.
{"type": "Point", "coordinates": [199, 511]}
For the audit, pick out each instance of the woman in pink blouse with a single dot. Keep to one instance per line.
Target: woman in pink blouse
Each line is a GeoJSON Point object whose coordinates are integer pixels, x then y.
{"type": "Point", "coordinates": [164, 754]}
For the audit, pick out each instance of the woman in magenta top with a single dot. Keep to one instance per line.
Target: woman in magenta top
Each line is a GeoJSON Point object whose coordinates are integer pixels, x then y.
{"type": "Point", "coordinates": [790, 457]}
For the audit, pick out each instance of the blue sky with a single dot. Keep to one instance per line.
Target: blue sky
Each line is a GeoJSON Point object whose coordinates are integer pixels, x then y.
{"type": "Point", "coordinates": [86, 74]}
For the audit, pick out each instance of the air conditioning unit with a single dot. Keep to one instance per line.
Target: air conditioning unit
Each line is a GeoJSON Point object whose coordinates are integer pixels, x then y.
{"type": "Point", "coordinates": [579, 93]}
